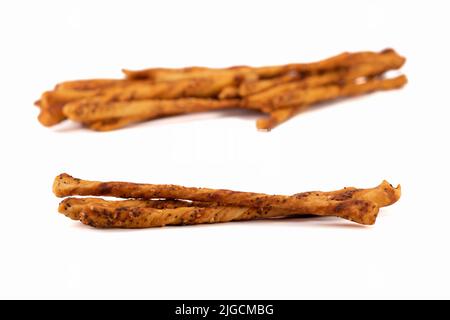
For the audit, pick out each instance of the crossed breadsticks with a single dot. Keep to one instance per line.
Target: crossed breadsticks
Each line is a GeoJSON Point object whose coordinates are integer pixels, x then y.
{"type": "Point", "coordinates": [150, 205]}
{"type": "Point", "coordinates": [278, 91]}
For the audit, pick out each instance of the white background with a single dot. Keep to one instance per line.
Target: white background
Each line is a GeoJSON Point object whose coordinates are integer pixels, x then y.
{"type": "Point", "coordinates": [401, 136]}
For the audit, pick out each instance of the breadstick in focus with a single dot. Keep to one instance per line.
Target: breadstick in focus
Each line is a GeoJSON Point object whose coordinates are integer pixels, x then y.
{"type": "Point", "coordinates": [144, 217]}
{"type": "Point", "coordinates": [318, 203]}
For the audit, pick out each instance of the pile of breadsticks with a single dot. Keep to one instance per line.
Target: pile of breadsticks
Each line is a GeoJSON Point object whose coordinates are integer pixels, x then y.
{"type": "Point", "coordinates": [149, 205]}
{"type": "Point", "coordinates": [280, 92]}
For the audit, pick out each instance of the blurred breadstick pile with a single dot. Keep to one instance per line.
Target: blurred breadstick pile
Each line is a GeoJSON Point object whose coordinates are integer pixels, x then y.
{"type": "Point", "coordinates": [150, 205]}
{"type": "Point", "coordinates": [280, 92]}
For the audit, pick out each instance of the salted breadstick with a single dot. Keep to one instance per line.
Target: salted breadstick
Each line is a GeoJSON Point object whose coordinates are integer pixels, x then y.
{"type": "Point", "coordinates": [72, 207]}
{"type": "Point", "coordinates": [265, 99]}
{"type": "Point", "coordinates": [251, 87]}
{"type": "Point", "coordinates": [341, 60]}
{"type": "Point", "coordinates": [318, 94]}
{"type": "Point", "coordinates": [379, 64]}
{"type": "Point", "coordinates": [167, 74]}
{"type": "Point", "coordinates": [144, 217]}
{"type": "Point", "coordinates": [318, 203]}
{"type": "Point", "coordinates": [85, 111]}
{"type": "Point", "coordinates": [52, 103]}
{"type": "Point", "coordinates": [87, 84]}
{"type": "Point", "coordinates": [300, 101]}
{"type": "Point", "coordinates": [382, 195]}
{"type": "Point", "coordinates": [103, 91]}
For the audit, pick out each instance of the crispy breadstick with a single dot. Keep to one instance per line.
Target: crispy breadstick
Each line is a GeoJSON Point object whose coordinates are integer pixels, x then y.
{"type": "Point", "coordinates": [102, 91]}
{"type": "Point", "coordinates": [88, 84]}
{"type": "Point", "coordinates": [142, 90]}
{"type": "Point", "coordinates": [108, 104]}
{"type": "Point", "coordinates": [252, 87]}
{"type": "Point", "coordinates": [52, 103]}
{"type": "Point", "coordinates": [265, 98]}
{"type": "Point", "coordinates": [382, 195]}
{"type": "Point", "coordinates": [379, 65]}
{"type": "Point", "coordinates": [300, 101]}
{"type": "Point", "coordinates": [167, 74]}
{"type": "Point", "coordinates": [318, 94]}
{"type": "Point", "coordinates": [72, 207]}
{"type": "Point", "coordinates": [341, 60]}
{"type": "Point", "coordinates": [144, 217]}
{"type": "Point", "coordinates": [318, 203]}
{"type": "Point", "coordinates": [86, 111]}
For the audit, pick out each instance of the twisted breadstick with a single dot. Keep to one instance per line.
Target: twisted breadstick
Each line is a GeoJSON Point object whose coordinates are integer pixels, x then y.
{"type": "Point", "coordinates": [359, 205]}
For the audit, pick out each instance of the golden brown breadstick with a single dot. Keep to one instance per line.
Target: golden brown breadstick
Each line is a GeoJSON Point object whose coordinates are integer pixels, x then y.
{"type": "Point", "coordinates": [71, 207]}
{"type": "Point", "coordinates": [108, 104]}
{"type": "Point", "coordinates": [341, 60]}
{"type": "Point", "coordinates": [304, 99]}
{"type": "Point", "coordinates": [265, 99]}
{"type": "Point", "coordinates": [85, 111]}
{"type": "Point", "coordinates": [167, 74]}
{"type": "Point", "coordinates": [318, 203]}
{"type": "Point", "coordinates": [251, 87]}
{"type": "Point", "coordinates": [104, 216]}
{"type": "Point", "coordinates": [52, 103]}
{"type": "Point", "coordinates": [88, 84]}
{"type": "Point", "coordinates": [382, 195]}
{"type": "Point", "coordinates": [140, 90]}
{"type": "Point", "coordinates": [380, 64]}
{"type": "Point", "coordinates": [318, 94]}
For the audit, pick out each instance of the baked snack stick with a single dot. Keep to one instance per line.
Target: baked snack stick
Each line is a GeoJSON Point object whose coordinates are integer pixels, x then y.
{"type": "Point", "coordinates": [101, 216]}
{"type": "Point", "coordinates": [87, 84]}
{"type": "Point", "coordinates": [337, 77]}
{"type": "Point", "coordinates": [355, 66]}
{"type": "Point", "coordinates": [287, 106]}
{"type": "Point", "coordinates": [85, 111]}
{"type": "Point", "coordinates": [363, 207]}
{"type": "Point", "coordinates": [71, 207]}
{"type": "Point", "coordinates": [52, 102]}
{"type": "Point", "coordinates": [340, 60]}
{"type": "Point", "coordinates": [382, 195]}
{"type": "Point", "coordinates": [165, 74]}
{"type": "Point", "coordinates": [323, 93]}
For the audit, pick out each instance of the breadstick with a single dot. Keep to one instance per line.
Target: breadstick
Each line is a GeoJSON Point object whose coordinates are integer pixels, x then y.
{"type": "Point", "coordinates": [88, 84]}
{"type": "Point", "coordinates": [341, 60]}
{"type": "Point", "coordinates": [318, 203]}
{"type": "Point", "coordinates": [304, 99]}
{"type": "Point", "coordinates": [102, 216]}
{"type": "Point", "coordinates": [251, 87]}
{"type": "Point", "coordinates": [318, 94]}
{"type": "Point", "coordinates": [85, 111]}
{"type": "Point", "coordinates": [72, 207]}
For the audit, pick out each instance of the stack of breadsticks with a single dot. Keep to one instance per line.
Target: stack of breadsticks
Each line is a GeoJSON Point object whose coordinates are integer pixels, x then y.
{"type": "Point", "coordinates": [278, 91]}
{"type": "Point", "coordinates": [149, 205]}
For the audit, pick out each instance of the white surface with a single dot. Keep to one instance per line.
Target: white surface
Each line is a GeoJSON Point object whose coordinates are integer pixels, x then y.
{"type": "Point", "coordinates": [401, 136]}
